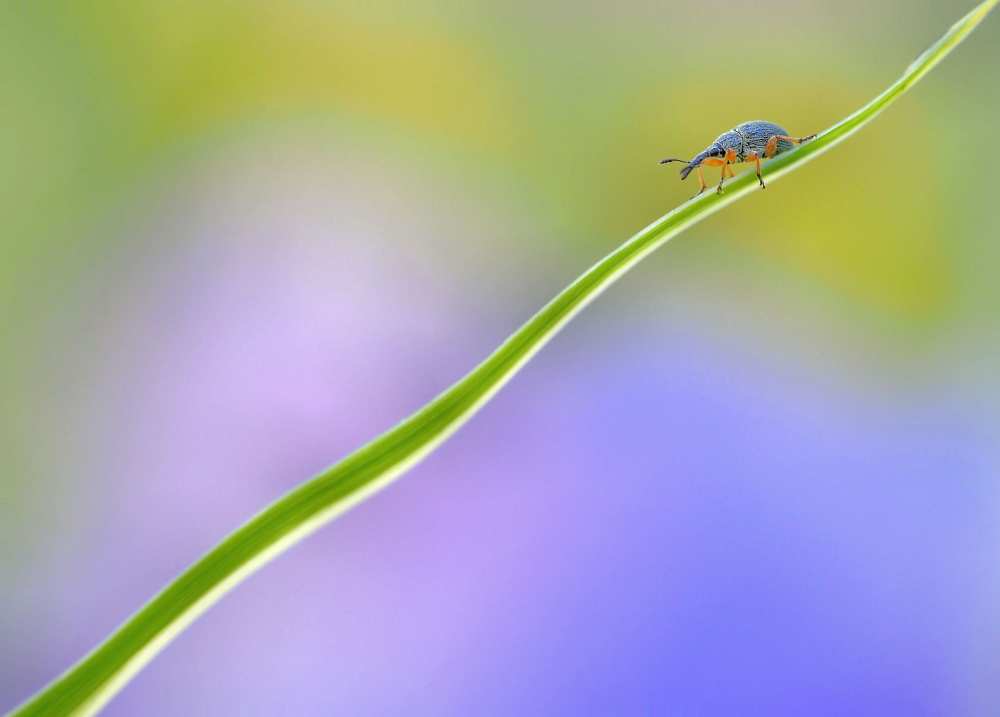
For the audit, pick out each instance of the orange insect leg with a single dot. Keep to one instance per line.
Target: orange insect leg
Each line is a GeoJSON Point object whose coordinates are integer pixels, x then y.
{"type": "Point", "coordinates": [755, 158]}
{"type": "Point", "coordinates": [701, 181]}
{"type": "Point", "coordinates": [772, 144]}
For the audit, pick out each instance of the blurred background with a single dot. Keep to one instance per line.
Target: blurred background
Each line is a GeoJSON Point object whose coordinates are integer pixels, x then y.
{"type": "Point", "coordinates": [759, 476]}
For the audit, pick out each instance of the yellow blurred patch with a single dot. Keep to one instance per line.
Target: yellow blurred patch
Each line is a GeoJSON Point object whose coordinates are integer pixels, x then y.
{"type": "Point", "coordinates": [190, 66]}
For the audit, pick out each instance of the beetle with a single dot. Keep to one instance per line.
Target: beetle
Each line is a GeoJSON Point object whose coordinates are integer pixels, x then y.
{"type": "Point", "coordinates": [748, 142]}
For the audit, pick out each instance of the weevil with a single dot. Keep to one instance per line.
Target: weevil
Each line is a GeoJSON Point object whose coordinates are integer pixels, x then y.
{"type": "Point", "coordinates": [749, 142]}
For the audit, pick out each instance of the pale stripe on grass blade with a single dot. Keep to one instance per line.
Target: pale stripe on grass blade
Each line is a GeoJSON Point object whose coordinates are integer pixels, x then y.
{"type": "Point", "coordinates": [89, 684]}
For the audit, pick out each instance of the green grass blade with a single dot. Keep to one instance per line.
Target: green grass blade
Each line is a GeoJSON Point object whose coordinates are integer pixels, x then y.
{"type": "Point", "coordinates": [89, 684]}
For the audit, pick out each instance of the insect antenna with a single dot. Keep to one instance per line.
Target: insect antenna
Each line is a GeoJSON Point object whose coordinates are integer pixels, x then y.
{"type": "Point", "coordinates": [668, 161]}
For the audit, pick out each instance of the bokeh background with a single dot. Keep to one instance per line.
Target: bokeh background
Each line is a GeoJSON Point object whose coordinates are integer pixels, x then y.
{"type": "Point", "coordinates": [759, 476]}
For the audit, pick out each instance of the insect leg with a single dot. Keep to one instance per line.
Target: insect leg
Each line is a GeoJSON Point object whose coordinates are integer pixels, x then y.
{"type": "Point", "coordinates": [772, 144]}
{"type": "Point", "coordinates": [707, 162]}
{"type": "Point", "coordinates": [726, 169]}
{"type": "Point", "coordinates": [756, 159]}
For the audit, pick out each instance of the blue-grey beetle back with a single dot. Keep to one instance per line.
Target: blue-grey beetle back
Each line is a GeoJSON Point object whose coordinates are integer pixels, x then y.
{"type": "Point", "coordinates": [757, 133]}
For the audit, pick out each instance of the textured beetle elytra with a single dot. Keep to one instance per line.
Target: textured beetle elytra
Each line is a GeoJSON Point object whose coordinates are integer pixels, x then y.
{"type": "Point", "coordinates": [749, 142]}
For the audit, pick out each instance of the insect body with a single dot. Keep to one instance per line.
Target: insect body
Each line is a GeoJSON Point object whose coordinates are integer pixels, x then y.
{"type": "Point", "coordinates": [749, 142]}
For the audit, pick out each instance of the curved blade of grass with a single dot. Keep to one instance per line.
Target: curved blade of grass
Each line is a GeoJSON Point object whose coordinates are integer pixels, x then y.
{"type": "Point", "coordinates": [89, 684]}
